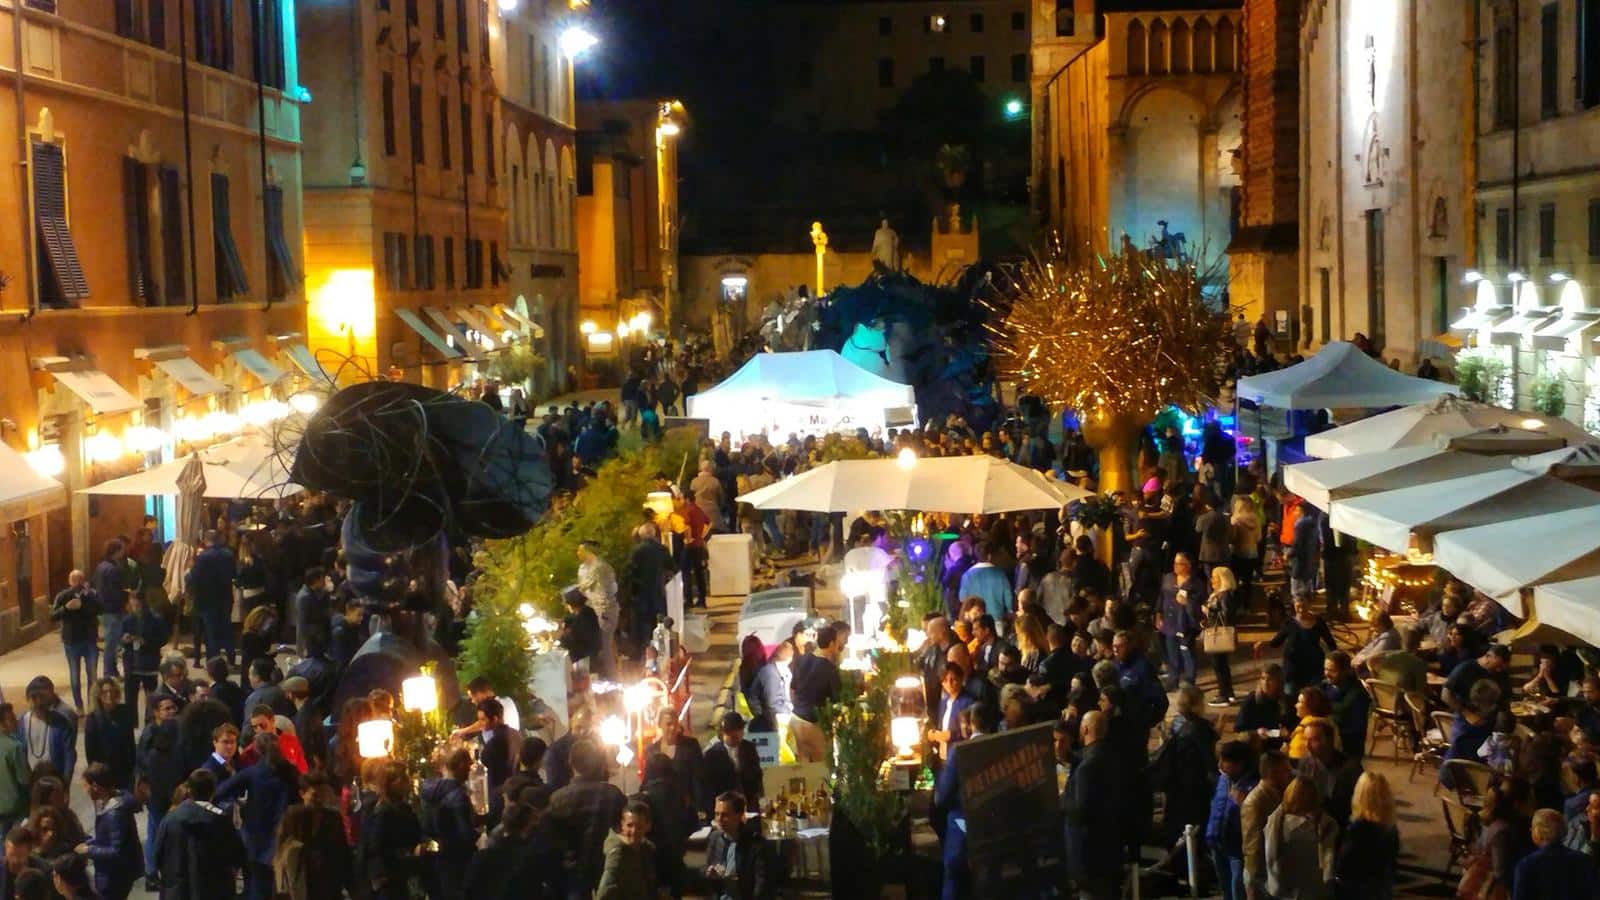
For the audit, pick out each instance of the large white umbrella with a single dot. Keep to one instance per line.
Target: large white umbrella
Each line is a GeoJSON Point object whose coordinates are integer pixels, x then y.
{"type": "Point", "coordinates": [1322, 482]}
{"type": "Point", "coordinates": [1572, 606]}
{"type": "Point", "coordinates": [1503, 558]}
{"type": "Point", "coordinates": [1423, 423]}
{"type": "Point", "coordinates": [191, 484]}
{"type": "Point", "coordinates": [1394, 519]}
{"type": "Point", "coordinates": [246, 468]}
{"type": "Point", "coordinates": [953, 484]}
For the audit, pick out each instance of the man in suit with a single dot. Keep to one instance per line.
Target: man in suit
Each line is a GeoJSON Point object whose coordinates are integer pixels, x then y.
{"type": "Point", "coordinates": [946, 727]}
{"type": "Point", "coordinates": [1092, 806]}
{"type": "Point", "coordinates": [210, 585]}
{"type": "Point", "coordinates": [1553, 872]}
{"type": "Point", "coordinates": [732, 763]}
{"type": "Point", "coordinates": [987, 656]}
{"type": "Point", "coordinates": [738, 866]}
{"type": "Point", "coordinates": [947, 800]}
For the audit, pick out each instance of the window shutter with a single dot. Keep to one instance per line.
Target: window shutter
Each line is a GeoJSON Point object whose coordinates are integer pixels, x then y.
{"type": "Point", "coordinates": [124, 18]}
{"type": "Point", "coordinates": [449, 262]}
{"type": "Point", "coordinates": [203, 51]}
{"type": "Point", "coordinates": [466, 136]}
{"type": "Point", "coordinates": [230, 278]}
{"type": "Point", "coordinates": [171, 211]}
{"type": "Point", "coordinates": [157, 26]}
{"type": "Point", "coordinates": [419, 149]}
{"type": "Point", "coordinates": [136, 224]}
{"type": "Point", "coordinates": [225, 35]}
{"type": "Point", "coordinates": [282, 273]}
{"type": "Point", "coordinates": [388, 113]}
{"type": "Point", "coordinates": [50, 216]}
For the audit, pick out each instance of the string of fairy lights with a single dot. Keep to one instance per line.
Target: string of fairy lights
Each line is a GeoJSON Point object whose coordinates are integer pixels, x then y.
{"type": "Point", "coordinates": [1111, 335]}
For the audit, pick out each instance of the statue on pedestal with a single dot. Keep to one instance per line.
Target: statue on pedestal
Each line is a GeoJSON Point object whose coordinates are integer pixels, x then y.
{"type": "Point", "coordinates": [886, 247]}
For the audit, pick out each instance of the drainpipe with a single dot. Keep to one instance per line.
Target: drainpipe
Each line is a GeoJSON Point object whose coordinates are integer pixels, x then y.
{"type": "Point", "coordinates": [258, 22]}
{"type": "Point", "coordinates": [1516, 140]}
{"type": "Point", "coordinates": [188, 157]}
{"type": "Point", "coordinates": [24, 158]}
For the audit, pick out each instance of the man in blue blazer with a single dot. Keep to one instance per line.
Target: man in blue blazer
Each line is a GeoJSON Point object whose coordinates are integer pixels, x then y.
{"type": "Point", "coordinates": [945, 730]}
{"type": "Point", "coordinates": [1553, 872]}
{"type": "Point", "coordinates": [947, 799]}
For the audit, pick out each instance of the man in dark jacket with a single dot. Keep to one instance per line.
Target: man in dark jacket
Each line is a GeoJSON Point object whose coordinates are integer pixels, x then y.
{"type": "Point", "coordinates": [580, 631]}
{"type": "Point", "coordinates": [584, 813]}
{"type": "Point", "coordinates": [78, 610]}
{"type": "Point", "coordinates": [197, 848]}
{"type": "Point", "coordinates": [737, 862]}
{"type": "Point", "coordinates": [732, 763]}
{"type": "Point", "coordinates": [210, 587]}
{"type": "Point", "coordinates": [947, 803]}
{"type": "Point", "coordinates": [1093, 808]}
{"type": "Point", "coordinates": [160, 771]}
{"type": "Point", "coordinates": [114, 848]}
{"type": "Point", "coordinates": [1553, 872]}
{"type": "Point", "coordinates": [110, 582]}
{"type": "Point", "coordinates": [447, 821]}
{"type": "Point", "coordinates": [649, 567]}
{"type": "Point", "coordinates": [224, 690]}
{"type": "Point", "coordinates": [144, 633]}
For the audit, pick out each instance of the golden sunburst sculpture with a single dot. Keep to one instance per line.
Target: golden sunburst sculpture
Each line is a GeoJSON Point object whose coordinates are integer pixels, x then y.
{"type": "Point", "coordinates": [1117, 338]}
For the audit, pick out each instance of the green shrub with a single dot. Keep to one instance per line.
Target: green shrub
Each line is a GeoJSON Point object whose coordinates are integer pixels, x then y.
{"type": "Point", "coordinates": [1549, 395]}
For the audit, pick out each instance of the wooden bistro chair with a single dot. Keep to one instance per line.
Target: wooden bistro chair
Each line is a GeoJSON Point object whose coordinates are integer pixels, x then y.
{"type": "Point", "coordinates": [1431, 743]}
{"type": "Point", "coordinates": [1389, 713]}
{"type": "Point", "coordinates": [1461, 823]}
{"type": "Point", "coordinates": [1471, 780]}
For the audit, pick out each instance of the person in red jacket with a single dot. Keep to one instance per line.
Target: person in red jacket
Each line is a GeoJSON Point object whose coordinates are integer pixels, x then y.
{"type": "Point", "coordinates": [264, 721]}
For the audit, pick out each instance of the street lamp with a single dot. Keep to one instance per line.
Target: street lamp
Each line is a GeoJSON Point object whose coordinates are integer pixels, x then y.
{"type": "Point", "coordinates": [1013, 109]}
{"type": "Point", "coordinates": [576, 41]}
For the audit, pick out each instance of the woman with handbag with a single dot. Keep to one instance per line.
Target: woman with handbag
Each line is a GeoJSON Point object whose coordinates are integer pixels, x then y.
{"type": "Point", "coordinates": [1218, 636]}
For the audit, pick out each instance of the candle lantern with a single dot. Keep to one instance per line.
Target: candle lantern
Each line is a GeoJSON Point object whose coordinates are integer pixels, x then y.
{"type": "Point", "coordinates": [375, 738]}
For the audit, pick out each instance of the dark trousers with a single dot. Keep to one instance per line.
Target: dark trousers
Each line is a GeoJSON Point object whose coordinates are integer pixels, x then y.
{"type": "Point", "coordinates": [258, 881]}
{"type": "Point", "coordinates": [131, 684]}
{"type": "Point", "coordinates": [1244, 571]}
{"type": "Point", "coordinates": [218, 633]}
{"type": "Point", "coordinates": [1224, 672]}
{"type": "Point", "coordinates": [696, 574]}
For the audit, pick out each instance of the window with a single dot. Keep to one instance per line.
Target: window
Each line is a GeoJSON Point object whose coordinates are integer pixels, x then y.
{"type": "Point", "coordinates": [61, 280]}
{"type": "Point", "coordinates": [1019, 21]}
{"type": "Point", "coordinates": [1067, 26]}
{"type": "Point", "coordinates": [472, 274]}
{"type": "Point", "coordinates": [271, 63]}
{"type": "Point", "coordinates": [488, 143]}
{"type": "Point", "coordinates": [976, 22]}
{"type": "Point", "coordinates": [483, 30]}
{"type": "Point", "coordinates": [934, 25]}
{"type": "Point", "coordinates": [1505, 66]}
{"type": "Point", "coordinates": [935, 64]}
{"type": "Point", "coordinates": [976, 68]}
{"type": "Point", "coordinates": [494, 263]}
{"type": "Point", "coordinates": [425, 262]}
{"type": "Point", "coordinates": [1502, 236]}
{"type": "Point", "coordinates": [281, 273]}
{"type": "Point", "coordinates": [461, 27]}
{"type": "Point", "coordinates": [886, 73]}
{"type": "Point", "coordinates": [48, 6]}
{"type": "Point", "coordinates": [1549, 56]}
{"type": "Point", "coordinates": [396, 267]}
{"type": "Point", "coordinates": [411, 12]}
{"type": "Point", "coordinates": [449, 262]}
{"type": "Point", "coordinates": [1375, 304]}
{"type": "Point", "coordinates": [419, 147]}
{"type": "Point", "coordinates": [1019, 67]}
{"type": "Point", "coordinates": [1442, 286]}
{"type": "Point", "coordinates": [388, 114]}
{"type": "Point", "coordinates": [885, 26]}
{"type": "Point", "coordinates": [1594, 228]}
{"type": "Point", "coordinates": [230, 277]}
{"type": "Point", "coordinates": [1588, 53]}
{"type": "Point", "coordinates": [169, 205]}
{"type": "Point", "coordinates": [142, 288]}
{"type": "Point", "coordinates": [1547, 231]}
{"type": "Point", "coordinates": [213, 33]}
{"type": "Point", "coordinates": [130, 19]}
{"type": "Point", "coordinates": [438, 20]}
{"type": "Point", "coordinates": [466, 136]}
{"type": "Point", "coordinates": [444, 131]}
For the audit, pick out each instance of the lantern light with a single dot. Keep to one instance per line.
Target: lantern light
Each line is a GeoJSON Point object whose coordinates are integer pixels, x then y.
{"type": "Point", "coordinates": [102, 447]}
{"type": "Point", "coordinates": [420, 694]}
{"type": "Point", "coordinates": [624, 755]}
{"type": "Point", "coordinates": [143, 438]}
{"type": "Point", "coordinates": [375, 738]}
{"type": "Point", "coordinates": [904, 733]}
{"type": "Point", "coordinates": [305, 403]}
{"type": "Point", "coordinates": [635, 697]}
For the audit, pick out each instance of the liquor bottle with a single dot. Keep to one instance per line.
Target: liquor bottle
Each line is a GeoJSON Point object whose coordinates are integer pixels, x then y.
{"type": "Point", "coordinates": [478, 786]}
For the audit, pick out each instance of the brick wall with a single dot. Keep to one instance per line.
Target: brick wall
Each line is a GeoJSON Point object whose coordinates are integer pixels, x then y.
{"type": "Point", "coordinates": [1271, 111]}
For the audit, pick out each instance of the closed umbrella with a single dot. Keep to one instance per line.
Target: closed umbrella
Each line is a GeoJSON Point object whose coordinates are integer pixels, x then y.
{"type": "Point", "coordinates": [191, 483]}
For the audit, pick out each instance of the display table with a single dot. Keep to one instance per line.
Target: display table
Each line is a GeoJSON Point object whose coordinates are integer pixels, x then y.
{"type": "Point", "coordinates": [732, 561]}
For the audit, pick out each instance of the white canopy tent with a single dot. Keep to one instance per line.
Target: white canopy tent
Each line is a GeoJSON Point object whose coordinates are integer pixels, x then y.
{"type": "Point", "coordinates": [1339, 376]}
{"type": "Point", "coordinates": [954, 484]}
{"type": "Point", "coordinates": [246, 468]}
{"type": "Point", "coordinates": [1322, 482]}
{"type": "Point", "coordinates": [1422, 423]}
{"type": "Point", "coordinates": [809, 392]}
{"type": "Point", "coordinates": [1395, 519]}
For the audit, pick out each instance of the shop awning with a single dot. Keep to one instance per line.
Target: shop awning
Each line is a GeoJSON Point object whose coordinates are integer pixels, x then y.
{"type": "Point", "coordinates": [307, 363]}
{"type": "Point", "coordinates": [501, 322]}
{"type": "Point", "coordinates": [257, 365]}
{"type": "Point", "coordinates": [533, 328]}
{"type": "Point", "coordinates": [24, 492]}
{"type": "Point", "coordinates": [1555, 335]}
{"type": "Point", "coordinates": [187, 372]}
{"type": "Point", "coordinates": [452, 331]}
{"type": "Point", "coordinates": [490, 328]}
{"type": "Point", "coordinates": [427, 334]}
{"type": "Point", "coordinates": [97, 389]}
{"type": "Point", "coordinates": [1476, 319]}
{"type": "Point", "coordinates": [1524, 322]}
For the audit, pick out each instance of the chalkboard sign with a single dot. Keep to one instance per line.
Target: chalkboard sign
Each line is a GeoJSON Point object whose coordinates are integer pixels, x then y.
{"type": "Point", "coordinates": [1008, 792]}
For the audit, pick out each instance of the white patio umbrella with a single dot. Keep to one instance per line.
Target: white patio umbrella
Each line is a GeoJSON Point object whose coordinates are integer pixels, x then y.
{"type": "Point", "coordinates": [1422, 423]}
{"type": "Point", "coordinates": [1503, 558]}
{"type": "Point", "coordinates": [1571, 606]}
{"type": "Point", "coordinates": [191, 483]}
{"type": "Point", "coordinates": [1395, 520]}
{"type": "Point", "coordinates": [246, 468]}
{"type": "Point", "coordinates": [954, 484]}
{"type": "Point", "coordinates": [1322, 482]}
